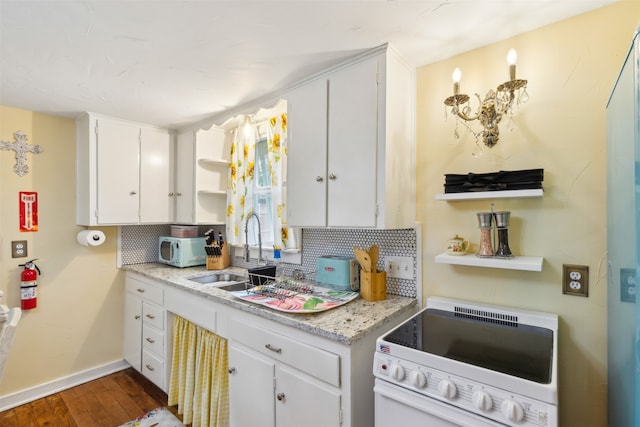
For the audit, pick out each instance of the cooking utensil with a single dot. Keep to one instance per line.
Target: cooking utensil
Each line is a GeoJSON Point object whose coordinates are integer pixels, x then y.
{"type": "Point", "coordinates": [374, 254]}
{"type": "Point", "coordinates": [363, 258]}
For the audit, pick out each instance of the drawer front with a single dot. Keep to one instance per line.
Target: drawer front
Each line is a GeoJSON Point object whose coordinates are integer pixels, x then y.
{"type": "Point", "coordinates": [153, 315]}
{"type": "Point", "coordinates": [152, 368]}
{"type": "Point", "coordinates": [153, 340]}
{"type": "Point", "coordinates": [311, 360]}
{"type": "Point", "coordinates": [145, 290]}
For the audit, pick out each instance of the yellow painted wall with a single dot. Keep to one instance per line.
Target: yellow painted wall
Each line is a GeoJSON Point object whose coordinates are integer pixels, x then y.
{"type": "Point", "coordinates": [78, 322]}
{"type": "Point", "coordinates": [571, 67]}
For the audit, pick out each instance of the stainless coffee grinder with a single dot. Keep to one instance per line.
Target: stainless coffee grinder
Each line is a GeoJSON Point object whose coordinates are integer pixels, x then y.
{"type": "Point", "coordinates": [496, 222]}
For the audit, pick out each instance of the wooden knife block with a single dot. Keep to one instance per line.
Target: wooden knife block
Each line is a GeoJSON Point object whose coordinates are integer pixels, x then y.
{"type": "Point", "coordinates": [219, 262]}
{"type": "Point", "coordinates": [373, 285]}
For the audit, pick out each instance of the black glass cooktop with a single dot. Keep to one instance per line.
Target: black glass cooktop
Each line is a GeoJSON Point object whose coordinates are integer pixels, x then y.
{"type": "Point", "coordinates": [500, 345]}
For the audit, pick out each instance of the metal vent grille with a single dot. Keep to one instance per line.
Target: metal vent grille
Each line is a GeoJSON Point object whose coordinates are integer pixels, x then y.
{"type": "Point", "coordinates": [486, 316]}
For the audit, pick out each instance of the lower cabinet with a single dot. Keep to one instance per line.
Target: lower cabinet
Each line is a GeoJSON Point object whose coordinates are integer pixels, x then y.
{"type": "Point", "coordinates": [279, 375]}
{"type": "Point", "coordinates": [270, 373]}
{"type": "Point", "coordinates": [144, 328]}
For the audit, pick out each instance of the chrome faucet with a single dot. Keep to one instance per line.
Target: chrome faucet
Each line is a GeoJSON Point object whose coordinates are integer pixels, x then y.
{"type": "Point", "coordinates": [247, 255]}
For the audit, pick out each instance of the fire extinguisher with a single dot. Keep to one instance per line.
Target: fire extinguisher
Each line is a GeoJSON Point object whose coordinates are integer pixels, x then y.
{"type": "Point", "coordinates": [28, 284]}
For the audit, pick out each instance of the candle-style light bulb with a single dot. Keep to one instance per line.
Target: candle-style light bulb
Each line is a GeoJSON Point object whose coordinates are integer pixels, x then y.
{"type": "Point", "coordinates": [512, 58]}
{"type": "Point", "coordinates": [456, 76]}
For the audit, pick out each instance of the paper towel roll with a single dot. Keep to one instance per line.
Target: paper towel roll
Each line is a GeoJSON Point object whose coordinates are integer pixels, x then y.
{"type": "Point", "coordinates": [91, 238]}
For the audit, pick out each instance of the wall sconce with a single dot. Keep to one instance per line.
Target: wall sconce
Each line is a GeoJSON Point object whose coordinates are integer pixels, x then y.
{"type": "Point", "coordinates": [490, 110]}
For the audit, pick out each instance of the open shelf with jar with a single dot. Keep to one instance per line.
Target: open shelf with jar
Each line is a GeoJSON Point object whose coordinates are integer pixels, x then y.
{"type": "Point", "coordinates": [526, 263]}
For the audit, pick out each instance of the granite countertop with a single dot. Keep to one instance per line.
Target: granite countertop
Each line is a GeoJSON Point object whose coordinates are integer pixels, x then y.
{"type": "Point", "coordinates": [346, 324]}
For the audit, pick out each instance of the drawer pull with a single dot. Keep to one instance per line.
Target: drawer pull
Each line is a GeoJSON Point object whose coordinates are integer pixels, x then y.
{"type": "Point", "coordinates": [137, 317]}
{"type": "Point", "coordinates": [149, 367]}
{"type": "Point", "coordinates": [140, 290]}
{"type": "Point", "coordinates": [274, 349]}
{"type": "Point", "coordinates": [151, 316]}
{"type": "Point", "coordinates": [232, 370]}
{"type": "Point", "coordinates": [319, 179]}
{"type": "Point", "coordinates": [280, 397]}
{"type": "Point", "coordinates": [151, 340]}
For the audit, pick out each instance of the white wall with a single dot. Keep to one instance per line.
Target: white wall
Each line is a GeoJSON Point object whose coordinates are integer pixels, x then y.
{"type": "Point", "coordinates": [78, 322]}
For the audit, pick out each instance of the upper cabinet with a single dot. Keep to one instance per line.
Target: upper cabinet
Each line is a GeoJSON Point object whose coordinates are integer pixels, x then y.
{"type": "Point", "coordinates": [351, 146]}
{"type": "Point", "coordinates": [202, 169]}
{"type": "Point", "coordinates": [124, 172]}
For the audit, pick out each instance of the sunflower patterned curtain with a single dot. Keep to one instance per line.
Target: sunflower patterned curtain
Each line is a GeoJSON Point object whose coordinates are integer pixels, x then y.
{"type": "Point", "coordinates": [257, 171]}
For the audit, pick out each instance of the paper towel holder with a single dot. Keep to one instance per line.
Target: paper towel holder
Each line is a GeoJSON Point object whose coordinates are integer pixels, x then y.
{"type": "Point", "coordinates": [91, 238]}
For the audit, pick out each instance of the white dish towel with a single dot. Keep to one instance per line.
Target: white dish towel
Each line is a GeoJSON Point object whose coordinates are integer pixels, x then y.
{"type": "Point", "coordinates": [9, 319]}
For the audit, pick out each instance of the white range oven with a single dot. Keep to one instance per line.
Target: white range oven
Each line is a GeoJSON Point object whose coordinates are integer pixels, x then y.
{"type": "Point", "coordinates": [461, 363]}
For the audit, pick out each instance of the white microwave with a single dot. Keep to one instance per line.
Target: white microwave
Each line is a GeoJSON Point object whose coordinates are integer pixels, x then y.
{"type": "Point", "coordinates": [182, 251]}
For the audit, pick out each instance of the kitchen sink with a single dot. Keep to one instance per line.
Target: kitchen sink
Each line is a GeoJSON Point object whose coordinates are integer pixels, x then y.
{"type": "Point", "coordinates": [214, 278]}
{"type": "Point", "coordinates": [235, 286]}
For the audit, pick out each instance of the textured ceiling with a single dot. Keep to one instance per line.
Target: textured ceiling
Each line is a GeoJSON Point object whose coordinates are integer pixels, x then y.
{"type": "Point", "coordinates": [172, 63]}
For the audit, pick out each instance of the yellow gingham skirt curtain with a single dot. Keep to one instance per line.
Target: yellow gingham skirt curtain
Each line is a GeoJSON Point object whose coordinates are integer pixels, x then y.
{"type": "Point", "coordinates": [199, 378]}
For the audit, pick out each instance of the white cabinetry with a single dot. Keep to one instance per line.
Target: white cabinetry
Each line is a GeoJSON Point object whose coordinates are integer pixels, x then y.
{"type": "Point", "coordinates": [124, 172]}
{"type": "Point", "coordinates": [144, 328]}
{"type": "Point", "coordinates": [297, 384]}
{"type": "Point", "coordinates": [201, 176]}
{"type": "Point", "coordinates": [351, 146]}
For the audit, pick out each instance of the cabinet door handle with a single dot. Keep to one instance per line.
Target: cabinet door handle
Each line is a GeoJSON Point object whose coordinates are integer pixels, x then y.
{"type": "Point", "coordinates": [178, 194]}
{"type": "Point", "coordinates": [319, 178]}
{"type": "Point", "coordinates": [274, 349]}
{"type": "Point", "coordinates": [151, 340]}
{"type": "Point", "coordinates": [231, 370]}
{"type": "Point", "coordinates": [140, 290]}
{"type": "Point", "coordinates": [170, 194]}
{"type": "Point", "coordinates": [332, 177]}
{"type": "Point", "coordinates": [280, 397]}
{"type": "Point", "coordinates": [151, 316]}
{"type": "Point", "coordinates": [137, 317]}
{"type": "Point", "coordinates": [149, 367]}
{"type": "Point", "coordinates": [132, 193]}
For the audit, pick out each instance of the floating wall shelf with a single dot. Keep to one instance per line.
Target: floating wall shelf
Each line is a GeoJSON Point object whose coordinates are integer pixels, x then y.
{"type": "Point", "coordinates": [528, 263]}
{"type": "Point", "coordinates": [213, 192]}
{"type": "Point", "coordinates": [490, 195]}
{"type": "Point", "coordinates": [213, 161]}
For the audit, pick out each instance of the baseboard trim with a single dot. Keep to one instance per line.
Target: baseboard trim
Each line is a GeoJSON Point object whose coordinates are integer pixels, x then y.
{"type": "Point", "coordinates": [27, 395]}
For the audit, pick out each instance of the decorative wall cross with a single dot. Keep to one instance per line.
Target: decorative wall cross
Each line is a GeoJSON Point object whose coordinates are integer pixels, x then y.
{"type": "Point", "coordinates": [21, 147]}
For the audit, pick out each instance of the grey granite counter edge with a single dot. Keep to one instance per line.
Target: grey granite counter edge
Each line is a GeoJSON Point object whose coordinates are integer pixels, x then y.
{"type": "Point", "coordinates": [177, 278]}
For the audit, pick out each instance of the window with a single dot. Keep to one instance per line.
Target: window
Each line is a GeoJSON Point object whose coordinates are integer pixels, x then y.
{"type": "Point", "coordinates": [256, 180]}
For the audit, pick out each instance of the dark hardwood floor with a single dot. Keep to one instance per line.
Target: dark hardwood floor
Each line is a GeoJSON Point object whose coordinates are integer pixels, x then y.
{"type": "Point", "coordinates": [106, 402]}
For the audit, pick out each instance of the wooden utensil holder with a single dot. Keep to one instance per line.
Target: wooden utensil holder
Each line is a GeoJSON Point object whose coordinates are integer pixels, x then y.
{"type": "Point", "coordinates": [373, 285]}
{"type": "Point", "coordinates": [219, 262]}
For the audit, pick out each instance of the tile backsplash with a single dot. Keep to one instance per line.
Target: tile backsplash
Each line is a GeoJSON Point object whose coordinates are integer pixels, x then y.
{"type": "Point", "coordinates": [139, 244]}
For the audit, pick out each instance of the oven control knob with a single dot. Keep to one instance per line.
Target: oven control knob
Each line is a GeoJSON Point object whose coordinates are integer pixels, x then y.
{"type": "Point", "coordinates": [482, 400]}
{"type": "Point", "coordinates": [512, 410]}
{"type": "Point", "coordinates": [397, 372]}
{"type": "Point", "coordinates": [418, 379]}
{"type": "Point", "coordinates": [447, 389]}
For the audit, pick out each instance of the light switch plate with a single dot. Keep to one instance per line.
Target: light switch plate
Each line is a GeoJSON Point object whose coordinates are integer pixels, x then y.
{"type": "Point", "coordinates": [18, 248]}
{"type": "Point", "coordinates": [400, 267]}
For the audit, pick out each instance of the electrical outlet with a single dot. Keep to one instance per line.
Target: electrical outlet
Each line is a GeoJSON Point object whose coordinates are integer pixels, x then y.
{"type": "Point", "coordinates": [18, 248]}
{"type": "Point", "coordinates": [575, 280]}
{"type": "Point", "coordinates": [400, 267]}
